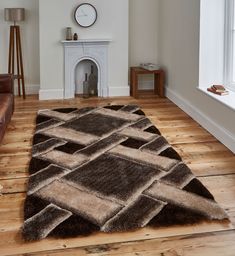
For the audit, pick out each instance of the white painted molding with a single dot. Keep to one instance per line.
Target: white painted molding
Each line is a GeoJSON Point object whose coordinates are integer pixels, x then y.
{"type": "Point", "coordinates": [51, 94]}
{"type": "Point", "coordinates": [30, 89]}
{"type": "Point", "coordinates": [119, 91]}
{"type": "Point", "coordinates": [221, 133]}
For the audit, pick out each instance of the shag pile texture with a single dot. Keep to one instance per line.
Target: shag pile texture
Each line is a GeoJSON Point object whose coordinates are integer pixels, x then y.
{"type": "Point", "coordinates": [108, 169]}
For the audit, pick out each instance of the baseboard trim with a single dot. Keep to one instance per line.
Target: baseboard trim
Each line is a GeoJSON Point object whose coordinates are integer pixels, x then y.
{"type": "Point", "coordinates": [51, 94]}
{"type": "Point", "coordinates": [221, 133]}
{"type": "Point", "coordinates": [30, 89]}
{"type": "Point", "coordinates": [119, 91]}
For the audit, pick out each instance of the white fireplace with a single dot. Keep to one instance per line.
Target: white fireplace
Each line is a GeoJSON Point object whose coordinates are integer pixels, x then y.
{"type": "Point", "coordinates": [95, 50]}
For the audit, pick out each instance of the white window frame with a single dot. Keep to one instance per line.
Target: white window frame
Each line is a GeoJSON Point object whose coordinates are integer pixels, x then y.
{"type": "Point", "coordinates": [229, 51]}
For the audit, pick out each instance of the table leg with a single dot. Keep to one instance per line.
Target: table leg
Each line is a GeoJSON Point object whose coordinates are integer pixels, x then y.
{"type": "Point", "coordinates": [156, 83]}
{"type": "Point", "coordinates": [159, 84]}
{"type": "Point", "coordinates": [134, 83]}
{"type": "Point", "coordinates": [131, 82]}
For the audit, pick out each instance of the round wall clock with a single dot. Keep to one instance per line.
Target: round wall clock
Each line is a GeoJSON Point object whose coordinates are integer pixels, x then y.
{"type": "Point", "coordinates": [85, 15]}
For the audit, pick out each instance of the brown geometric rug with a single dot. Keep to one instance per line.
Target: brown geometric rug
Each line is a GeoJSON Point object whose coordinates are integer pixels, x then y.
{"type": "Point", "coordinates": [108, 169]}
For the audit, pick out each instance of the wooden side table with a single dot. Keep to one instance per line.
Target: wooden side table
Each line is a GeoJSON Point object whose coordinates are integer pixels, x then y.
{"type": "Point", "coordinates": [159, 77]}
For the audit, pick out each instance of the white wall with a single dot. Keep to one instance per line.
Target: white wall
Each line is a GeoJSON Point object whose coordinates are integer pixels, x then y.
{"type": "Point", "coordinates": [112, 23]}
{"type": "Point", "coordinates": [143, 39]}
{"type": "Point", "coordinates": [30, 41]}
{"type": "Point", "coordinates": [179, 53]}
{"type": "Point", "coordinates": [143, 36]}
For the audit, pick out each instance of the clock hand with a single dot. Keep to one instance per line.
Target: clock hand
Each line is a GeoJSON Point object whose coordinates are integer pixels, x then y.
{"type": "Point", "coordinates": [82, 15]}
{"type": "Point", "coordinates": [83, 12]}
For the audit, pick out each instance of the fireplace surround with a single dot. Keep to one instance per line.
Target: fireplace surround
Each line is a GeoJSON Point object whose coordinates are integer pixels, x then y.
{"type": "Point", "coordinates": [95, 50]}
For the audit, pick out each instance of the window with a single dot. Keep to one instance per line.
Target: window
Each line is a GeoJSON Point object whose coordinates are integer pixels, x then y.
{"type": "Point", "coordinates": [229, 69]}
{"type": "Point", "coordinates": [211, 66]}
{"type": "Point", "coordinates": [217, 48]}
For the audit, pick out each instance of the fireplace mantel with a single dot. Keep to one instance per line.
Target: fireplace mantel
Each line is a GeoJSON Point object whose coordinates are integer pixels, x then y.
{"type": "Point", "coordinates": [95, 50]}
{"type": "Point", "coordinates": [79, 41]}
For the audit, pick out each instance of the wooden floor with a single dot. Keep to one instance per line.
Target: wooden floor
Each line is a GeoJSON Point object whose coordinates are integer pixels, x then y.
{"type": "Point", "coordinates": [212, 162]}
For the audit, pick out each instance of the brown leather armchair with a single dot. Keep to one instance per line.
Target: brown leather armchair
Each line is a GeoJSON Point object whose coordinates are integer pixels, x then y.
{"type": "Point", "coordinates": [6, 102]}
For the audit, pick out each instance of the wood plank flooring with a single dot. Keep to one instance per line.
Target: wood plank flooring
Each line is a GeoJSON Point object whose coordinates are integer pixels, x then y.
{"type": "Point", "coordinates": [211, 161]}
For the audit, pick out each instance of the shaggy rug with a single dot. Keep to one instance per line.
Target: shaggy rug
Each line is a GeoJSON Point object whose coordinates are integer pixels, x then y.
{"type": "Point", "coordinates": [108, 169]}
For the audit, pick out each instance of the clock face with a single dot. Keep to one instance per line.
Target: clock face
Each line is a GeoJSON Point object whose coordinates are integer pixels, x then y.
{"type": "Point", "coordinates": [85, 15]}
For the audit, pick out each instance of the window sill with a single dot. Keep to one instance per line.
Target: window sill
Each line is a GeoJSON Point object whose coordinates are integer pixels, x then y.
{"type": "Point", "coordinates": [228, 100]}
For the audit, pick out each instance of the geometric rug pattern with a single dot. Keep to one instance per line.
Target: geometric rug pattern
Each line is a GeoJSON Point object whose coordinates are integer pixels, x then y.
{"type": "Point", "coordinates": [108, 169]}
